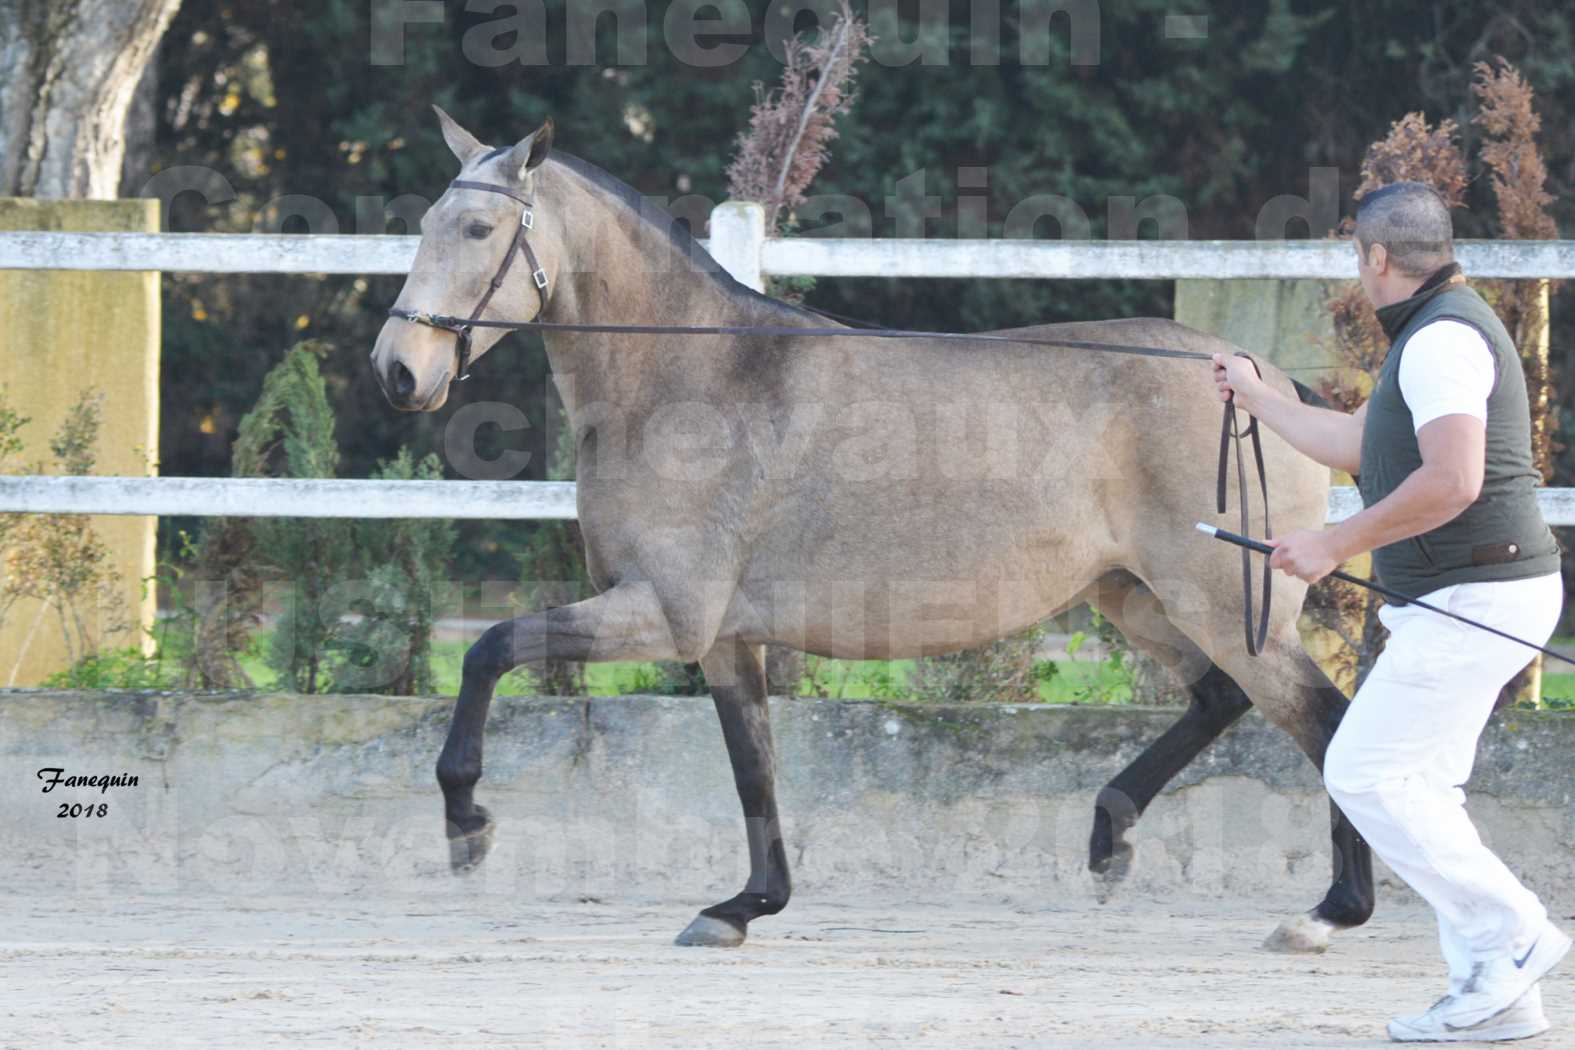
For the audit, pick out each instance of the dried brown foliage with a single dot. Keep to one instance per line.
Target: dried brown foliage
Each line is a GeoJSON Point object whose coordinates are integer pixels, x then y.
{"type": "Point", "coordinates": [1415, 152]}
{"type": "Point", "coordinates": [791, 128]}
{"type": "Point", "coordinates": [1510, 123]}
{"type": "Point", "coordinates": [1508, 118]}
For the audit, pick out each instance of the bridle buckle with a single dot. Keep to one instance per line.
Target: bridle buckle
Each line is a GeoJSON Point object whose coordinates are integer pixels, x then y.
{"type": "Point", "coordinates": [540, 277]}
{"type": "Point", "coordinates": [528, 219]}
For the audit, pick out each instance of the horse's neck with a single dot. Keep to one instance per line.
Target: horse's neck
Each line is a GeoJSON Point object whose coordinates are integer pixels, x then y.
{"type": "Point", "coordinates": [625, 271]}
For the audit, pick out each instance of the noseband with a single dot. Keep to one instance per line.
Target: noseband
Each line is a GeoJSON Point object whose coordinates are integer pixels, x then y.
{"type": "Point", "coordinates": [462, 326]}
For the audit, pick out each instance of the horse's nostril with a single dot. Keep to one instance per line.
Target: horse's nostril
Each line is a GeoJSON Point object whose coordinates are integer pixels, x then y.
{"type": "Point", "coordinates": [401, 381]}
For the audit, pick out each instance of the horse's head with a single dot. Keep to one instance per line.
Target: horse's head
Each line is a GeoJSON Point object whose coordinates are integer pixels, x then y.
{"type": "Point", "coordinates": [467, 238]}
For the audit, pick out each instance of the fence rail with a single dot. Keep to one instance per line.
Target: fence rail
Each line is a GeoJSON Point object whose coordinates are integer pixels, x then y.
{"type": "Point", "coordinates": [1136, 260]}
{"type": "Point", "coordinates": [492, 500]}
{"type": "Point", "coordinates": [295, 498]}
{"type": "Point", "coordinates": [740, 244]}
{"type": "Point", "coordinates": [791, 256]}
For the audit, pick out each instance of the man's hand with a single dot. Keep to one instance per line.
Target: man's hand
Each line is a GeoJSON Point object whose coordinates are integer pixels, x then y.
{"type": "Point", "coordinates": [1237, 379]}
{"type": "Point", "coordinates": [1306, 554]}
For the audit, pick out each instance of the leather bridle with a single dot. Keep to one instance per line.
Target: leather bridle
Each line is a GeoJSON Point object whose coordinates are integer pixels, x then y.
{"type": "Point", "coordinates": [463, 326]}
{"type": "Point", "coordinates": [520, 245]}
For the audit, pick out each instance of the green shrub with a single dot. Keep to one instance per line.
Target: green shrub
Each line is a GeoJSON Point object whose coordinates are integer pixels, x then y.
{"type": "Point", "coordinates": [357, 596]}
{"type": "Point", "coordinates": [128, 668]}
{"type": "Point", "coordinates": [388, 647]}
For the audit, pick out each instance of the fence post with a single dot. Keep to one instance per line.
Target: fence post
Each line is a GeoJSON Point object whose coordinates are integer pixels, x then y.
{"type": "Point", "coordinates": [64, 333]}
{"type": "Point", "coordinates": [738, 233]}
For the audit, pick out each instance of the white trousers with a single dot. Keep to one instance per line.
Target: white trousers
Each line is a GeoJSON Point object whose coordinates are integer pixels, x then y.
{"type": "Point", "coordinates": [1408, 743]}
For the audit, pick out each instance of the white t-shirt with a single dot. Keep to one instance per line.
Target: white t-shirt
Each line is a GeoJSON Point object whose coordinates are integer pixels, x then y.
{"type": "Point", "coordinates": [1447, 369]}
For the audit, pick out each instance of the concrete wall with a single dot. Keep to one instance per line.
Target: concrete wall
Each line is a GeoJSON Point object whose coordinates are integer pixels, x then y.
{"type": "Point", "coordinates": [632, 798]}
{"type": "Point", "coordinates": [63, 333]}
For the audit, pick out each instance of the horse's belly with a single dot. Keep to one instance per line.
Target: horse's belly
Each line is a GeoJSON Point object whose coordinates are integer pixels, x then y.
{"type": "Point", "coordinates": [938, 576]}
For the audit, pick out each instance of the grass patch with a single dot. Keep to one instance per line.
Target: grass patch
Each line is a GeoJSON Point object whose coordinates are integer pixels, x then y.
{"type": "Point", "coordinates": [1558, 691]}
{"type": "Point", "coordinates": [1071, 681]}
{"type": "Point", "coordinates": [1057, 682]}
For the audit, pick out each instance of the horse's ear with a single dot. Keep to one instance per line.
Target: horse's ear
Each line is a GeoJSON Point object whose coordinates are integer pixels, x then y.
{"type": "Point", "coordinates": [463, 143]}
{"type": "Point", "coordinates": [530, 152]}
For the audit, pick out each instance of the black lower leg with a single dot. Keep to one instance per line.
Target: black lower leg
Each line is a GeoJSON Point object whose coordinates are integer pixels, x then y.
{"type": "Point", "coordinates": [740, 698]}
{"type": "Point", "coordinates": [1217, 702]}
{"type": "Point", "coordinates": [1351, 898]}
{"type": "Point", "coordinates": [468, 825]}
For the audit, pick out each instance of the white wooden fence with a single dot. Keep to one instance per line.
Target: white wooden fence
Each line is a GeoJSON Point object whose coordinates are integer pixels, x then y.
{"type": "Point", "coordinates": [344, 498]}
{"type": "Point", "coordinates": [794, 256]}
{"type": "Point", "coordinates": [739, 243]}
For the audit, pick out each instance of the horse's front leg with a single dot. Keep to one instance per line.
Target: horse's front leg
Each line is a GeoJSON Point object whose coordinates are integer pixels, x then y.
{"type": "Point", "coordinates": [737, 677]}
{"type": "Point", "coordinates": [623, 623]}
{"type": "Point", "coordinates": [1217, 702]}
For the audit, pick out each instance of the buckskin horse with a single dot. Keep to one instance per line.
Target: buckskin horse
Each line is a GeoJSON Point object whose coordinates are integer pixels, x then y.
{"type": "Point", "coordinates": [770, 481]}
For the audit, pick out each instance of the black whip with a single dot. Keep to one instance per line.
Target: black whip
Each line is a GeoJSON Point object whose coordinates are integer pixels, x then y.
{"type": "Point", "coordinates": [1264, 548]}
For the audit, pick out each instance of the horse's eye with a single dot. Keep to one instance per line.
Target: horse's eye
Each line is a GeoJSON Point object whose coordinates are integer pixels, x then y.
{"type": "Point", "coordinates": [478, 231]}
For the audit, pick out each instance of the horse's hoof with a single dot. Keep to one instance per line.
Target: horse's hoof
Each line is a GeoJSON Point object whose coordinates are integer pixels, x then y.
{"type": "Point", "coordinates": [467, 849]}
{"type": "Point", "coordinates": [1110, 870]}
{"type": "Point", "coordinates": [1114, 866]}
{"type": "Point", "coordinates": [1109, 854]}
{"type": "Point", "coordinates": [1303, 935]}
{"type": "Point", "coordinates": [706, 932]}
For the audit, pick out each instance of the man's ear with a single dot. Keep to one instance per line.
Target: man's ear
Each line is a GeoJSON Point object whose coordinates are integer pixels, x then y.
{"type": "Point", "coordinates": [1378, 258]}
{"type": "Point", "coordinates": [463, 143]}
{"type": "Point", "coordinates": [530, 152]}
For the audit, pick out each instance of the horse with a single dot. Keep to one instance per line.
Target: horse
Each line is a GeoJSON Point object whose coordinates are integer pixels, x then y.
{"type": "Point", "coordinates": [846, 497]}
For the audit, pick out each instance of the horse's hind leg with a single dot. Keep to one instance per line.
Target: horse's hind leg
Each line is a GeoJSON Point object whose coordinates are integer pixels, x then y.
{"type": "Point", "coordinates": [737, 677]}
{"type": "Point", "coordinates": [624, 623]}
{"type": "Point", "coordinates": [1216, 703]}
{"type": "Point", "coordinates": [1351, 898]}
{"type": "Point", "coordinates": [1294, 694]}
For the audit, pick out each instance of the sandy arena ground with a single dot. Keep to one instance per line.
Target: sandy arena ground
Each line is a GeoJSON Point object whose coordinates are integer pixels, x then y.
{"type": "Point", "coordinates": [341, 972]}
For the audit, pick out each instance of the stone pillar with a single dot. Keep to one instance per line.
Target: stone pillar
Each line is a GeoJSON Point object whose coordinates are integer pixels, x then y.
{"type": "Point", "coordinates": [63, 332]}
{"type": "Point", "coordinates": [1281, 321]}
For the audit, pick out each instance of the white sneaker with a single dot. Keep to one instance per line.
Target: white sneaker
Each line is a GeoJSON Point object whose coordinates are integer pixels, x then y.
{"type": "Point", "coordinates": [1521, 1021]}
{"type": "Point", "coordinates": [1496, 985]}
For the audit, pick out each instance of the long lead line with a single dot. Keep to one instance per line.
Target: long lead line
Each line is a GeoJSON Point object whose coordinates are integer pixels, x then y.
{"type": "Point", "coordinates": [1264, 548]}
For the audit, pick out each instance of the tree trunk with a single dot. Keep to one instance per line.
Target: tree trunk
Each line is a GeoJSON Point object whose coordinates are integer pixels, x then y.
{"type": "Point", "coordinates": [142, 125]}
{"type": "Point", "coordinates": [71, 70]}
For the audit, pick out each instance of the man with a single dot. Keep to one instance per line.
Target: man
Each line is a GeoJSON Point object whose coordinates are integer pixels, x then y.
{"type": "Point", "coordinates": [1442, 449]}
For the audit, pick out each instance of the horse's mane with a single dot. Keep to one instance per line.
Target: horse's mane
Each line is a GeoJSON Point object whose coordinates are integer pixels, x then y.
{"type": "Point", "coordinates": [661, 220]}
{"type": "Point", "coordinates": [643, 206]}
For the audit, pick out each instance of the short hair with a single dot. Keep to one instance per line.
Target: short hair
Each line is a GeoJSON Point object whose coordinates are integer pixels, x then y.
{"type": "Point", "coordinates": [1412, 222]}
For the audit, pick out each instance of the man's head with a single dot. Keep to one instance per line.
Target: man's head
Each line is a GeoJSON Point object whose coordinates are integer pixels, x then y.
{"type": "Point", "coordinates": [1403, 236]}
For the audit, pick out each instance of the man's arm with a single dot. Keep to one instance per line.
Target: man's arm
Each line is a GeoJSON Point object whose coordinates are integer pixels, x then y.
{"type": "Point", "coordinates": [1330, 437]}
{"type": "Point", "coordinates": [1454, 453]}
{"type": "Point", "coordinates": [1448, 481]}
